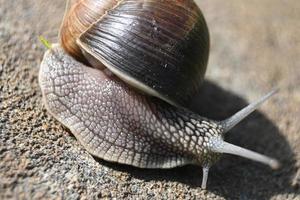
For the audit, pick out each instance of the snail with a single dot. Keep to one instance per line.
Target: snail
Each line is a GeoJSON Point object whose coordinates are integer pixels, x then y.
{"type": "Point", "coordinates": [121, 79]}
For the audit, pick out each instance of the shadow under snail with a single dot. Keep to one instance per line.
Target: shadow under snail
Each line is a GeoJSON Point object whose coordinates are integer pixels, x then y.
{"type": "Point", "coordinates": [149, 58]}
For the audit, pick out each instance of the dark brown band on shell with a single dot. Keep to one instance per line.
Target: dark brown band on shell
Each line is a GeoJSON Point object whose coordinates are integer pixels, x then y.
{"type": "Point", "coordinates": [161, 44]}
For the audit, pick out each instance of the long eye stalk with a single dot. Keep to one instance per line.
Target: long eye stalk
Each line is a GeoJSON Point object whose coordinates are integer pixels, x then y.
{"type": "Point", "coordinates": [226, 147]}
{"type": "Point", "coordinates": [218, 145]}
{"type": "Point", "coordinates": [242, 114]}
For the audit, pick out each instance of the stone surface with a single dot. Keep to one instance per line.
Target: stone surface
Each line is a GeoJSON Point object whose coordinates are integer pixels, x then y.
{"type": "Point", "coordinates": [255, 46]}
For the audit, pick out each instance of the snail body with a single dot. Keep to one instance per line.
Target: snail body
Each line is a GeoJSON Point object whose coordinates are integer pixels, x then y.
{"type": "Point", "coordinates": [130, 107]}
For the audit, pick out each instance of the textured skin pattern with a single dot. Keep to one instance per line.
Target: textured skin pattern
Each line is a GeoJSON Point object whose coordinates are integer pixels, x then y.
{"type": "Point", "coordinates": [114, 122]}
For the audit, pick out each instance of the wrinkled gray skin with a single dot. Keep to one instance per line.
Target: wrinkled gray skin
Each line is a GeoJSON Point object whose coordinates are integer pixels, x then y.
{"type": "Point", "coordinates": [116, 123]}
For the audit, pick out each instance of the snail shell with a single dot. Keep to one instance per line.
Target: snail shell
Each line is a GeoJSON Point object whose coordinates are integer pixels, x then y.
{"type": "Point", "coordinates": [159, 47]}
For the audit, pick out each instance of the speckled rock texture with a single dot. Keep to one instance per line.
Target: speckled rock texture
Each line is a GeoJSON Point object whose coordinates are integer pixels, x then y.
{"type": "Point", "coordinates": [255, 45]}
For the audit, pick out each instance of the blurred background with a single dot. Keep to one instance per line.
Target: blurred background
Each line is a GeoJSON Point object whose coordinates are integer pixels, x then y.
{"type": "Point", "coordinates": [255, 46]}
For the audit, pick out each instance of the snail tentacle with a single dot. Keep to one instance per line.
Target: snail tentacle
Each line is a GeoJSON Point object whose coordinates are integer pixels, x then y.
{"type": "Point", "coordinates": [232, 121]}
{"type": "Point", "coordinates": [221, 146]}
{"type": "Point", "coordinates": [205, 170]}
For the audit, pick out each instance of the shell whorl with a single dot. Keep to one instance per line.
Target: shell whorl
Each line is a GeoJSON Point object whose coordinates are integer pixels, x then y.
{"type": "Point", "coordinates": [159, 47]}
{"type": "Point", "coordinates": [79, 16]}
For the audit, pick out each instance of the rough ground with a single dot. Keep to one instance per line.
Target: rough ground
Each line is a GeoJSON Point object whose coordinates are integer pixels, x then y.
{"type": "Point", "coordinates": [255, 46]}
